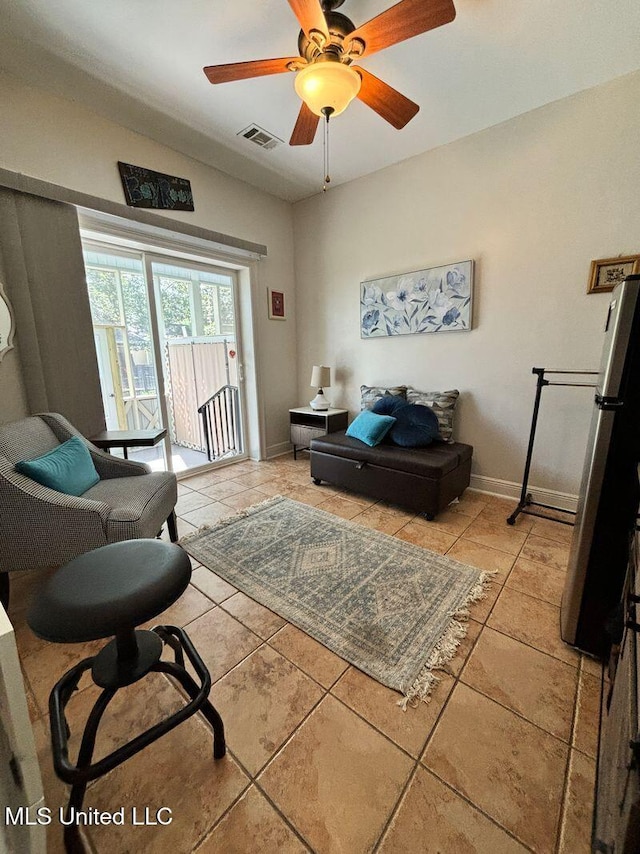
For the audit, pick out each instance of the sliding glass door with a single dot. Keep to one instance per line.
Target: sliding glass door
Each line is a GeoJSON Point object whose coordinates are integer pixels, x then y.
{"type": "Point", "coordinates": [168, 353]}
{"type": "Point", "coordinates": [197, 328]}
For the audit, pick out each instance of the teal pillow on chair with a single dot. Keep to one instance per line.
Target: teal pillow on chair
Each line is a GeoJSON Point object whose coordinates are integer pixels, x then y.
{"type": "Point", "coordinates": [67, 468]}
{"type": "Point", "coordinates": [370, 428]}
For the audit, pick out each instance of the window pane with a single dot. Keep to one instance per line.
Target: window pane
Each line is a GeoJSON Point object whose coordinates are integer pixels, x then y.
{"type": "Point", "coordinates": [227, 319]}
{"type": "Point", "coordinates": [103, 296]}
{"type": "Point", "coordinates": [122, 361]}
{"type": "Point", "coordinates": [209, 297]}
{"type": "Point", "coordinates": [136, 310]}
{"type": "Point", "coordinates": [176, 307]}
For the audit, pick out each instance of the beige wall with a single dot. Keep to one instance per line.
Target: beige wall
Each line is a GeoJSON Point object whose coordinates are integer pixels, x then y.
{"type": "Point", "coordinates": [532, 200]}
{"type": "Point", "coordinates": [59, 141]}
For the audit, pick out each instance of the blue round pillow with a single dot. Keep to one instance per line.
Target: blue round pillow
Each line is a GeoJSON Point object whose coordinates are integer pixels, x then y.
{"type": "Point", "coordinates": [416, 426]}
{"type": "Point", "coordinates": [388, 404]}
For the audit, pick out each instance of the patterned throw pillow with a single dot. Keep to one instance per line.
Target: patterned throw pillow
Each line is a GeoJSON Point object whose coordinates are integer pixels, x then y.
{"type": "Point", "coordinates": [369, 394]}
{"type": "Point", "coordinates": [443, 404]}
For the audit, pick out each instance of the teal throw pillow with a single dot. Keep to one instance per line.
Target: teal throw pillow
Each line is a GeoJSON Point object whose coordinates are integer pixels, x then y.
{"type": "Point", "coordinates": [67, 468]}
{"type": "Point", "coordinates": [370, 428]}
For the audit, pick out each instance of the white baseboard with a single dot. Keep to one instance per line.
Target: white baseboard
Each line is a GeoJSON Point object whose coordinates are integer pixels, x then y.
{"type": "Point", "coordinates": [279, 449]}
{"type": "Point", "coordinates": [508, 489]}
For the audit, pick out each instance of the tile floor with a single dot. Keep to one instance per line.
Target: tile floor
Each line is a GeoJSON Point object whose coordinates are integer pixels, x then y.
{"type": "Point", "coordinates": [320, 756]}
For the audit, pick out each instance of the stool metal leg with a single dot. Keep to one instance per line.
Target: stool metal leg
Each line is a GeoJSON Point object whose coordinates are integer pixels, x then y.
{"type": "Point", "coordinates": [130, 668]}
{"type": "Point", "coordinates": [171, 641]}
{"type": "Point", "coordinates": [207, 709]}
{"type": "Point", "coordinates": [72, 839]}
{"type": "Point", "coordinates": [60, 732]}
{"type": "Point", "coordinates": [199, 695]}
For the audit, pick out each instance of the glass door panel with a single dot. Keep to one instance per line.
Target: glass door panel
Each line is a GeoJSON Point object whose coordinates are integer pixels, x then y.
{"type": "Point", "coordinates": [124, 345]}
{"type": "Point", "coordinates": [197, 328]}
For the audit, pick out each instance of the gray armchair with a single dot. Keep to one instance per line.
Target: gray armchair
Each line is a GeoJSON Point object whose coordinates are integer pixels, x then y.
{"type": "Point", "coordinates": [40, 527]}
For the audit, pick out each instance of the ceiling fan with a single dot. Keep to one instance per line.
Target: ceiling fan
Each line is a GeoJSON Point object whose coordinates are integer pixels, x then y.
{"type": "Point", "coordinates": [328, 44]}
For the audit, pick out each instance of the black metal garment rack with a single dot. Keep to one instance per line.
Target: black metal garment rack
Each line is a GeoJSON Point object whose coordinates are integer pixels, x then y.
{"type": "Point", "coordinates": [526, 501]}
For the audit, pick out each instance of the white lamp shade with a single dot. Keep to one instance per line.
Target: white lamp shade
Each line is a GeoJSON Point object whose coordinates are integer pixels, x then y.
{"type": "Point", "coordinates": [327, 84]}
{"type": "Point", "coordinates": [320, 377]}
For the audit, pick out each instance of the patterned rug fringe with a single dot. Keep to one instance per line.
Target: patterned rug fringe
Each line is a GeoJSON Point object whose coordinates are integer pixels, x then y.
{"type": "Point", "coordinates": [446, 647]}
{"type": "Point", "coordinates": [229, 520]}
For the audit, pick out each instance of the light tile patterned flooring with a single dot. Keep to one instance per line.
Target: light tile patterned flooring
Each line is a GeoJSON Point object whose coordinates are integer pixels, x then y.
{"type": "Point", "coordinates": [320, 756]}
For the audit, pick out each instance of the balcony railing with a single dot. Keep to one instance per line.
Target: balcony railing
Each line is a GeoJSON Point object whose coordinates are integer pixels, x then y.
{"type": "Point", "coordinates": [221, 423]}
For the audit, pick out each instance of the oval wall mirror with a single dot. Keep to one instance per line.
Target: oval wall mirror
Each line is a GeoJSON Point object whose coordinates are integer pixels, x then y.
{"type": "Point", "coordinates": [6, 324]}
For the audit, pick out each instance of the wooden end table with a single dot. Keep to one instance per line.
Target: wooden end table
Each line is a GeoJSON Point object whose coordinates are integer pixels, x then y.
{"type": "Point", "coordinates": [306, 424]}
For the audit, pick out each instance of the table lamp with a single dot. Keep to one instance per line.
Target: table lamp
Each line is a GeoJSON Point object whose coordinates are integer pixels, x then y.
{"type": "Point", "coordinates": [320, 378]}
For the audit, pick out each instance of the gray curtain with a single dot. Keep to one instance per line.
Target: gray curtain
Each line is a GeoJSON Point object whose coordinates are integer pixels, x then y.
{"type": "Point", "coordinates": [13, 399]}
{"type": "Point", "coordinates": [41, 259]}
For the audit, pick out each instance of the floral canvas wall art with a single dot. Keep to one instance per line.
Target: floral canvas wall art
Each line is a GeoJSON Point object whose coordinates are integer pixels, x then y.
{"type": "Point", "coordinates": [433, 300]}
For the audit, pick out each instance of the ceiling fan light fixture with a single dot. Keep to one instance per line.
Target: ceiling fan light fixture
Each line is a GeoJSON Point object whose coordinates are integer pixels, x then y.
{"type": "Point", "coordinates": [328, 85]}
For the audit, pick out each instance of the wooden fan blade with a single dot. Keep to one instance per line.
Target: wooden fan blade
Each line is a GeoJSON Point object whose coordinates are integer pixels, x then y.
{"type": "Point", "coordinates": [310, 16]}
{"type": "Point", "coordinates": [244, 70]}
{"type": "Point", "coordinates": [306, 125]}
{"type": "Point", "coordinates": [403, 21]}
{"type": "Point", "coordinates": [386, 101]}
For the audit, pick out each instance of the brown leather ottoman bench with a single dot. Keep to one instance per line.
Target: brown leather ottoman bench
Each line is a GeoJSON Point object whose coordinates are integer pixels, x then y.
{"type": "Point", "coordinates": [425, 480]}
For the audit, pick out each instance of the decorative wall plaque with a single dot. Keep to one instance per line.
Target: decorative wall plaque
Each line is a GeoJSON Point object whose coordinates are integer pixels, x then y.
{"type": "Point", "coordinates": [144, 188]}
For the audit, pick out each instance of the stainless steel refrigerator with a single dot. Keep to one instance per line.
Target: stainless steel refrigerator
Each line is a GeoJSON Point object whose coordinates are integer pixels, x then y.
{"type": "Point", "coordinates": [609, 494]}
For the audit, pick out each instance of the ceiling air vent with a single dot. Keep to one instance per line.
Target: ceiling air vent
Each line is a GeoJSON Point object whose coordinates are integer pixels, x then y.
{"type": "Point", "coordinates": [260, 137]}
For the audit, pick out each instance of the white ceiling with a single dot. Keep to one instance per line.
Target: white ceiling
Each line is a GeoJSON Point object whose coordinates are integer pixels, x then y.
{"type": "Point", "coordinates": [140, 63]}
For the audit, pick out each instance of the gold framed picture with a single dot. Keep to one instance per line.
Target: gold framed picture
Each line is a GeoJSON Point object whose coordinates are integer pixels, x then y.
{"type": "Point", "coordinates": [607, 272]}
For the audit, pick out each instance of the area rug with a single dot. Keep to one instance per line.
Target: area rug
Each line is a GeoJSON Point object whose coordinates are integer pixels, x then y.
{"type": "Point", "coordinates": [394, 610]}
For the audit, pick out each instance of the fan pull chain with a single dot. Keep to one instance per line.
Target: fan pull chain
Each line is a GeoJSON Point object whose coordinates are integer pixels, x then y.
{"type": "Point", "coordinates": [327, 178]}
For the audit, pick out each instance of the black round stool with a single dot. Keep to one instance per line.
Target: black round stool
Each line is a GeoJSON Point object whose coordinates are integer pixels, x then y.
{"type": "Point", "coordinates": [105, 593]}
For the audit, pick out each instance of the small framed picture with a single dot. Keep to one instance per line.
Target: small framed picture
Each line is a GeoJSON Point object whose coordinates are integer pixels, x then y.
{"type": "Point", "coordinates": [607, 272]}
{"type": "Point", "coordinates": [276, 305]}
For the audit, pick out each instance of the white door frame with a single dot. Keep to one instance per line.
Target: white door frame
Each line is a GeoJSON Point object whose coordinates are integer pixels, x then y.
{"type": "Point", "coordinates": [106, 378]}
